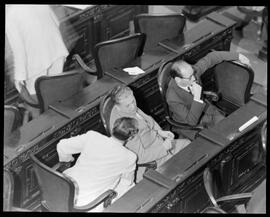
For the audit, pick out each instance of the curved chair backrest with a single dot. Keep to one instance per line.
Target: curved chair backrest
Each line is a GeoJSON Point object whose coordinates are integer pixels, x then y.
{"type": "Point", "coordinates": [50, 89]}
{"type": "Point", "coordinates": [264, 136]}
{"type": "Point", "coordinates": [164, 77]}
{"type": "Point", "coordinates": [234, 81]}
{"type": "Point", "coordinates": [208, 184]}
{"type": "Point", "coordinates": [105, 109]}
{"type": "Point", "coordinates": [158, 27]}
{"type": "Point", "coordinates": [56, 189]}
{"type": "Point", "coordinates": [8, 190]}
{"type": "Point", "coordinates": [117, 53]}
{"type": "Point", "coordinates": [12, 119]}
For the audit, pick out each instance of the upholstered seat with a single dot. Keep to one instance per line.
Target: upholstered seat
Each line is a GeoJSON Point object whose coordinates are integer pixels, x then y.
{"type": "Point", "coordinates": [8, 192]}
{"type": "Point", "coordinates": [118, 53]}
{"type": "Point", "coordinates": [58, 191]}
{"type": "Point", "coordinates": [158, 27]}
{"type": "Point", "coordinates": [233, 82]}
{"type": "Point", "coordinates": [251, 202]}
{"type": "Point", "coordinates": [50, 89]}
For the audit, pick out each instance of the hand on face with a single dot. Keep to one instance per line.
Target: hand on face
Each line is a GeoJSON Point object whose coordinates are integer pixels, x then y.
{"type": "Point", "coordinates": [167, 144]}
{"type": "Point", "coordinates": [196, 90]}
{"type": "Point", "coordinates": [243, 59]}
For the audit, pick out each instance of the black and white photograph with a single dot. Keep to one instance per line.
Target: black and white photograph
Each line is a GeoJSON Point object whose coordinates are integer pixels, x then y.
{"type": "Point", "coordinates": [112, 108]}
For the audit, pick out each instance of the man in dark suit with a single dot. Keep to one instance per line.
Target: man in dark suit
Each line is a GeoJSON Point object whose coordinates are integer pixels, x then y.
{"type": "Point", "coordinates": [184, 93]}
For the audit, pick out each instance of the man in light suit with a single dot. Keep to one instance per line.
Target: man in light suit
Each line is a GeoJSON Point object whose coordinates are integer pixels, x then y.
{"type": "Point", "coordinates": [184, 93]}
{"type": "Point", "coordinates": [151, 143]}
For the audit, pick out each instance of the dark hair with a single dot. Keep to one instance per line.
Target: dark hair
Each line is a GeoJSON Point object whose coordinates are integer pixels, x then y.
{"type": "Point", "coordinates": [125, 128]}
{"type": "Point", "coordinates": [118, 91]}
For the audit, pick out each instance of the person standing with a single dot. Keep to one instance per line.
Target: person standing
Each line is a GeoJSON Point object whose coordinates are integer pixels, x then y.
{"type": "Point", "coordinates": [37, 47]}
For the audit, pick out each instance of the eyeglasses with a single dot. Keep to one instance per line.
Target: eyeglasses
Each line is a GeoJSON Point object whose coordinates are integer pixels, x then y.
{"type": "Point", "coordinates": [190, 77]}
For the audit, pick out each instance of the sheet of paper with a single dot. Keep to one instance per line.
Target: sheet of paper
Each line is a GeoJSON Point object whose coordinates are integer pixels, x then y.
{"type": "Point", "coordinates": [248, 123]}
{"type": "Point", "coordinates": [134, 70]}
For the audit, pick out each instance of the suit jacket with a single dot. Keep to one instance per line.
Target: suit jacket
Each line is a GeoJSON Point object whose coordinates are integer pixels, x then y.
{"type": "Point", "coordinates": [181, 103]}
{"type": "Point", "coordinates": [148, 143]}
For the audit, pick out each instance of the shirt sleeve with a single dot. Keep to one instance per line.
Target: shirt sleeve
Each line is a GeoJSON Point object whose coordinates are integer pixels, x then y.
{"type": "Point", "coordinates": [74, 145]}
{"type": "Point", "coordinates": [127, 177]}
{"type": "Point", "coordinates": [212, 59]}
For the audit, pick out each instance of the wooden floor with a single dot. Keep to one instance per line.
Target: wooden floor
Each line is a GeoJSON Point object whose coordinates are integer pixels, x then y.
{"type": "Point", "coordinates": [247, 43]}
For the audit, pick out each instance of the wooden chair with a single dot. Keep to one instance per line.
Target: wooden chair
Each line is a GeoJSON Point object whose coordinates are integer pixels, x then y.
{"type": "Point", "coordinates": [164, 77]}
{"type": "Point", "coordinates": [50, 89]}
{"type": "Point", "coordinates": [8, 192]}
{"type": "Point", "coordinates": [233, 82]}
{"type": "Point", "coordinates": [105, 108]}
{"type": "Point", "coordinates": [158, 27]}
{"type": "Point", "coordinates": [243, 200]}
{"type": "Point", "coordinates": [12, 119]}
{"type": "Point", "coordinates": [58, 190]}
{"type": "Point", "coordinates": [117, 53]}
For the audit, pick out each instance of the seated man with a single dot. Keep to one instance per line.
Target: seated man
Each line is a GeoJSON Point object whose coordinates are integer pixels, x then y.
{"type": "Point", "coordinates": [151, 143]}
{"type": "Point", "coordinates": [184, 93]}
{"type": "Point", "coordinates": [104, 163]}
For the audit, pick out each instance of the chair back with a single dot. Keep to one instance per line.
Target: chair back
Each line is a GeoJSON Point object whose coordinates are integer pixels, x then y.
{"type": "Point", "coordinates": [57, 190]}
{"type": "Point", "coordinates": [105, 109]}
{"type": "Point", "coordinates": [158, 27]}
{"type": "Point", "coordinates": [209, 185]}
{"type": "Point", "coordinates": [50, 89]}
{"type": "Point", "coordinates": [8, 190]}
{"type": "Point", "coordinates": [12, 119]}
{"type": "Point", "coordinates": [234, 81]}
{"type": "Point", "coordinates": [117, 53]}
{"type": "Point", "coordinates": [164, 77]}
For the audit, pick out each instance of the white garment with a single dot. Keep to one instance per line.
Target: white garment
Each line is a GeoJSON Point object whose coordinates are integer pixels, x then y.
{"type": "Point", "coordinates": [35, 41]}
{"type": "Point", "coordinates": [104, 163]}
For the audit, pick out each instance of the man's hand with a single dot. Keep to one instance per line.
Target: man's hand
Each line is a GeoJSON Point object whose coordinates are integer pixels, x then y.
{"type": "Point", "coordinates": [243, 59]}
{"type": "Point", "coordinates": [196, 90]}
{"type": "Point", "coordinates": [166, 134]}
{"type": "Point", "coordinates": [167, 144]}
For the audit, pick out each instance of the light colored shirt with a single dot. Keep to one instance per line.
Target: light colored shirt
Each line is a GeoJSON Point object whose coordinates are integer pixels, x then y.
{"type": "Point", "coordinates": [103, 163]}
{"type": "Point", "coordinates": [35, 40]}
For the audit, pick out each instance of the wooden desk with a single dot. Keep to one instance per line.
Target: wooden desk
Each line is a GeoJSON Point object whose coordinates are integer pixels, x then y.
{"type": "Point", "coordinates": [64, 119]}
{"type": "Point", "coordinates": [32, 137]}
{"type": "Point", "coordinates": [146, 198]}
{"type": "Point", "coordinates": [82, 109]}
{"type": "Point", "coordinates": [213, 28]}
{"type": "Point", "coordinates": [80, 113]}
{"type": "Point", "coordinates": [180, 179]}
{"type": "Point", "coordinates": [145, 85]}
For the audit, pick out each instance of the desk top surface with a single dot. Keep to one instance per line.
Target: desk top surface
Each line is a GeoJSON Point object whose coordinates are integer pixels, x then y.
{"type": "Point", "coordinates": [31, 132]}
{"type": "Point", "coordinates": [149, 61]}
{"type": "Point", "coordinates": [207, 28]}
{"type": "Point", "coordinates": [93, 93]}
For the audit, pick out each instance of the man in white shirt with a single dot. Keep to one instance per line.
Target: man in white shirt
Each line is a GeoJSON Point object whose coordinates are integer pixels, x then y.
{"type": "Point", "coordinates": [104, 163]}
{"type": "Point", "coordinates": [37, 45]}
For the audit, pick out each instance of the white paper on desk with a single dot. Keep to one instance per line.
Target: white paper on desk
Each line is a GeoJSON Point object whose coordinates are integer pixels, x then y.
{"type": "Point", "coordinates": [134, 70]}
